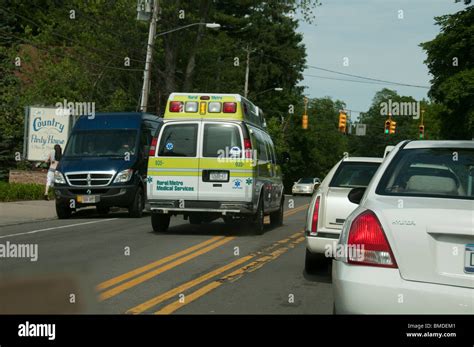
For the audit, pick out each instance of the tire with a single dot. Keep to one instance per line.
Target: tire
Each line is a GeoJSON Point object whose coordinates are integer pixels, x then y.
{"type": "Point", "coordinates": [136, 208]}
{"type": "Point", "coordinates": [160, 222]}
{"type": "Point", "coordinates": [314, 262]}
{"type": "Point", "coordinates": [276, 218]}
{"type": "Point", "coordinates": [103, 210]}
{"type": "Point", "coordinates": [258, 219]}
{"type": "Point", "coordinates": [63, 211]}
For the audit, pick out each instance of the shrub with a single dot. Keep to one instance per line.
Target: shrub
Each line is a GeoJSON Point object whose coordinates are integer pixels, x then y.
{"type": "Point", "coordinates": [22, 191]}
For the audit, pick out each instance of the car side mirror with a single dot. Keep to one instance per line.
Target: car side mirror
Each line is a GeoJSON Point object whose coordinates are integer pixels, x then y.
{"type": "Point", "coordinates": [356, 194]}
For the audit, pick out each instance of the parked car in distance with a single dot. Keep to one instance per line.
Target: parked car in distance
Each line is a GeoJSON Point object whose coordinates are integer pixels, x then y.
{"type": "Point", "coordinates": [105, 163]}
{"type": "Point", "coordinates": [305, 186]}
{"type": "Point", "coordinates": [330, 206]}
{"type": "Point", "coordinates": [410, 241]}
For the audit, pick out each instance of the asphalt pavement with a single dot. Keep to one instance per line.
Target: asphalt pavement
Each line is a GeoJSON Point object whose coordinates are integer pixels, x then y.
{"type": "Point", "coordinates": [115, 264]}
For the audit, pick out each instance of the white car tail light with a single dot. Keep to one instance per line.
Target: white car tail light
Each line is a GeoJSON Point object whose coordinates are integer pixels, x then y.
{"type": "Point", "coordinates": [366, 235]}
{"type": "Point", "coordinates": [314, 220]}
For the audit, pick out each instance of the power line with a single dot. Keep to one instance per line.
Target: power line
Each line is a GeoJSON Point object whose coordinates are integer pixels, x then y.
{"type": "Point", "coordinates": [344, 79]}
{"type": "Point", "coordinates": [350, 75]}
{"type": "Point", "coordinates": [368, 78]}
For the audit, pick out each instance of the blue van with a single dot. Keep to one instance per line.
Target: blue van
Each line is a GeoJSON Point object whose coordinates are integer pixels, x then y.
{"type": "Point", "coordinates": [104, 163]}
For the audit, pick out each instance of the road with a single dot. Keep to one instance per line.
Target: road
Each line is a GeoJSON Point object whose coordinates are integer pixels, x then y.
{"type": "Point", "coordinates": [115, 264]}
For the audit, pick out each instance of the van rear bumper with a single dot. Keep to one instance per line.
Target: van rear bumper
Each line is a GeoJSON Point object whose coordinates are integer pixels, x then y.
{"type": "Point", "coordinates": [224, 207]}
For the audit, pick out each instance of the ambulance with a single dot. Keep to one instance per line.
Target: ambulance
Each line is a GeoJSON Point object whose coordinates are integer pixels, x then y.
{"type": "Point", "coordinates": [213, 158]}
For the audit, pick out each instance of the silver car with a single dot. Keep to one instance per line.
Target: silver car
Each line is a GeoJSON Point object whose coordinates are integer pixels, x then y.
{"type": "Point", "coordinates": [330, 207]}
{"type": "Point", "coordinates": [409, 245]}
{"type": "Point", "coordinates": [306, 186]}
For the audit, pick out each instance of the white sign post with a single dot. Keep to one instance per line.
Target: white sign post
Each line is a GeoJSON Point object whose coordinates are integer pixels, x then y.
{"type": "Point", "coordinates": [44, 128]}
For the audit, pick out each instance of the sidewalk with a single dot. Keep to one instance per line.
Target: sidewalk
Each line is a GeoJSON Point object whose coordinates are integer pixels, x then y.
{"type": "Point", "coordinates": [26, 211]}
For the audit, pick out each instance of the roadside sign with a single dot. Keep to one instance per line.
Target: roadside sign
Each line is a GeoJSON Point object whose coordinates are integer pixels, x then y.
{"type": "Point", "coordinates": [44, 128]}
{"type": "Point", "coordinates": [361, 129]}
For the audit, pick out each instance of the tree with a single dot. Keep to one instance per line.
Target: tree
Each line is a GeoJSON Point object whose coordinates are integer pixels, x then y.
{"type": "Point", "coordinates": [375, 140]}
{"type": "Point", "coordinates": [449, 59]}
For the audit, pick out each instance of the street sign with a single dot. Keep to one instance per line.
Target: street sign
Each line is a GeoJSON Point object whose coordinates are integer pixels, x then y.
{"type": "Point", "coordinates": [361, 129]}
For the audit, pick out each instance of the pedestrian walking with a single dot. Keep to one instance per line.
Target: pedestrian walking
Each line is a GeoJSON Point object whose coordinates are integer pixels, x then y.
{"type": "Point", "coordinates": [53, 159]}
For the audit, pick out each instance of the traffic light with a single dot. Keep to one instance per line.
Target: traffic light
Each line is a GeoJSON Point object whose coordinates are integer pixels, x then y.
{"type": "Point", "coordinates": [304, 125]}
{"type": "Point", "coordinates": [422, 131]}
{"type": "Point", "coordinates": [388, 122]}
{"type": "Point", "coordinates": [342, 122]}
{"type": "Point", "coordinates": [393, 127]}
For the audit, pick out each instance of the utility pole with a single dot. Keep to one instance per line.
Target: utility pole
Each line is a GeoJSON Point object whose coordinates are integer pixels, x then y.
{"type": "Point", "coordinates": [247, 70]}
{"type": "Point", "coordinates": [149, 56]}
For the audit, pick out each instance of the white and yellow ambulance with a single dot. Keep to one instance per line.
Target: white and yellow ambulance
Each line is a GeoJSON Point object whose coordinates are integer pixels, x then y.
{"type": "Point", "coordinates": [213, 158]}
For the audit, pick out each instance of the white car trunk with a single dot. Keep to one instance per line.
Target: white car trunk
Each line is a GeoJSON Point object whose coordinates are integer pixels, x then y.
{"type": "Point", "coordinates": [336, 207]}
{"type": "Point", "coordinates": [429, 237]}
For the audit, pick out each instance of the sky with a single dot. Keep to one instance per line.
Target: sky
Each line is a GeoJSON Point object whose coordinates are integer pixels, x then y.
{"type": "Point", "coordinates": [369, 35]}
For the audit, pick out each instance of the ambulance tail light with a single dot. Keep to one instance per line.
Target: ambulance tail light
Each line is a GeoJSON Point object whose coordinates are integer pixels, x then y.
{"type": "Point", "coordinates": [230, 107]}
{"type": "Point", "coordinates": [176, 106]}
{"type": "Point", "coordinates": [248, 148]}
{"type": "Point", "coordinates": [153, 145]}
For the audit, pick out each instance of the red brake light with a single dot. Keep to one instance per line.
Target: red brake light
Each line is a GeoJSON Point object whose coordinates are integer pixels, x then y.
{"type": "Point", "coordinates": [248, 148]}
{"type": "Point", "coordinates": [314, 222]}
{"type": "Point", "coordinates": [153, 144]}
{"type": "Point", "coordinates": [230, 107]}
{"type": "Point", "coordinates": [176, 106]}
{"type": "Point", "coordinates": [367, 238]}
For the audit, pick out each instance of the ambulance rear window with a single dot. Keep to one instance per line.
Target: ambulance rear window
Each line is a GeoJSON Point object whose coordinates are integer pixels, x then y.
{"type": "Point", "coordinates": [178, 140]}
{"type": "Point", "coordinates": [222, 140]}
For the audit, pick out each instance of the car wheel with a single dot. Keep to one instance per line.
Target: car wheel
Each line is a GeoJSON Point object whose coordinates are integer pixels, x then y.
{"type": "Point", "coordinates": [136, 208]}
{"type": "Point", "coordinates": [63, 211]}
{"type": "Point", "coordinates": [276, 218]}
{"type": "Point", "coordinates": [314, 262]}
{"type": "Point", "coordinates": [160, 222]}
{"type": "Point", "coordinates": [258, 219]}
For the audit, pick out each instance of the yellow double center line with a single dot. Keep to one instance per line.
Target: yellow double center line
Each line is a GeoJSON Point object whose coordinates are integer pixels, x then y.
{"type": "Point", "coordinates": [142, 274]}
{"type": "Point", "coordinates": [291, 241]}
{"type": "Point", "coordinates": [233, 276]}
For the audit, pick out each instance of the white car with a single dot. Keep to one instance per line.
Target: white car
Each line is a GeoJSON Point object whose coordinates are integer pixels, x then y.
{"type": "Point", "coordinates": [409, 245]}
{"type": "Point", "coordinates": [330, 206]}
{"type": "Point", "coordinates": [305, 186]}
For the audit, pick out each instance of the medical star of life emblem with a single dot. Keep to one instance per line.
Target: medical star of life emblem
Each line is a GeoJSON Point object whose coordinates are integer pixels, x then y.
{"type": "Point", "coordinates": [248, 181]}
{"type": "Point", "coordinates": [149, 179]}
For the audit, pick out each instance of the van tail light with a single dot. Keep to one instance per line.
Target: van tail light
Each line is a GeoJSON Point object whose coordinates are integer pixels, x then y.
{"type": "Point", "coordinates": [368, 244]}
{"type": "Point", "coordinates": [153, 144]}
{"type": "Point", "coordinates": [230, 107]}
{"type": "Point", "coordinates": [176, 106]}
{"type": "Point", "coordinates": [248, 148]}
{"type": "Point", "coordinates": [314, 219]}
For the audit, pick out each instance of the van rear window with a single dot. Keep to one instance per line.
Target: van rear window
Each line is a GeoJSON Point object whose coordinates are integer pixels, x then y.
{"type": "Point", "coordinates": [221, 140]}
{"type": "Point", "coordinates": [178, 140]}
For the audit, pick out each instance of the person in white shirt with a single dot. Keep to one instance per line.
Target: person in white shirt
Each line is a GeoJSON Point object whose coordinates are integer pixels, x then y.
{"type": "Point", "coordinates": [53, 159]}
